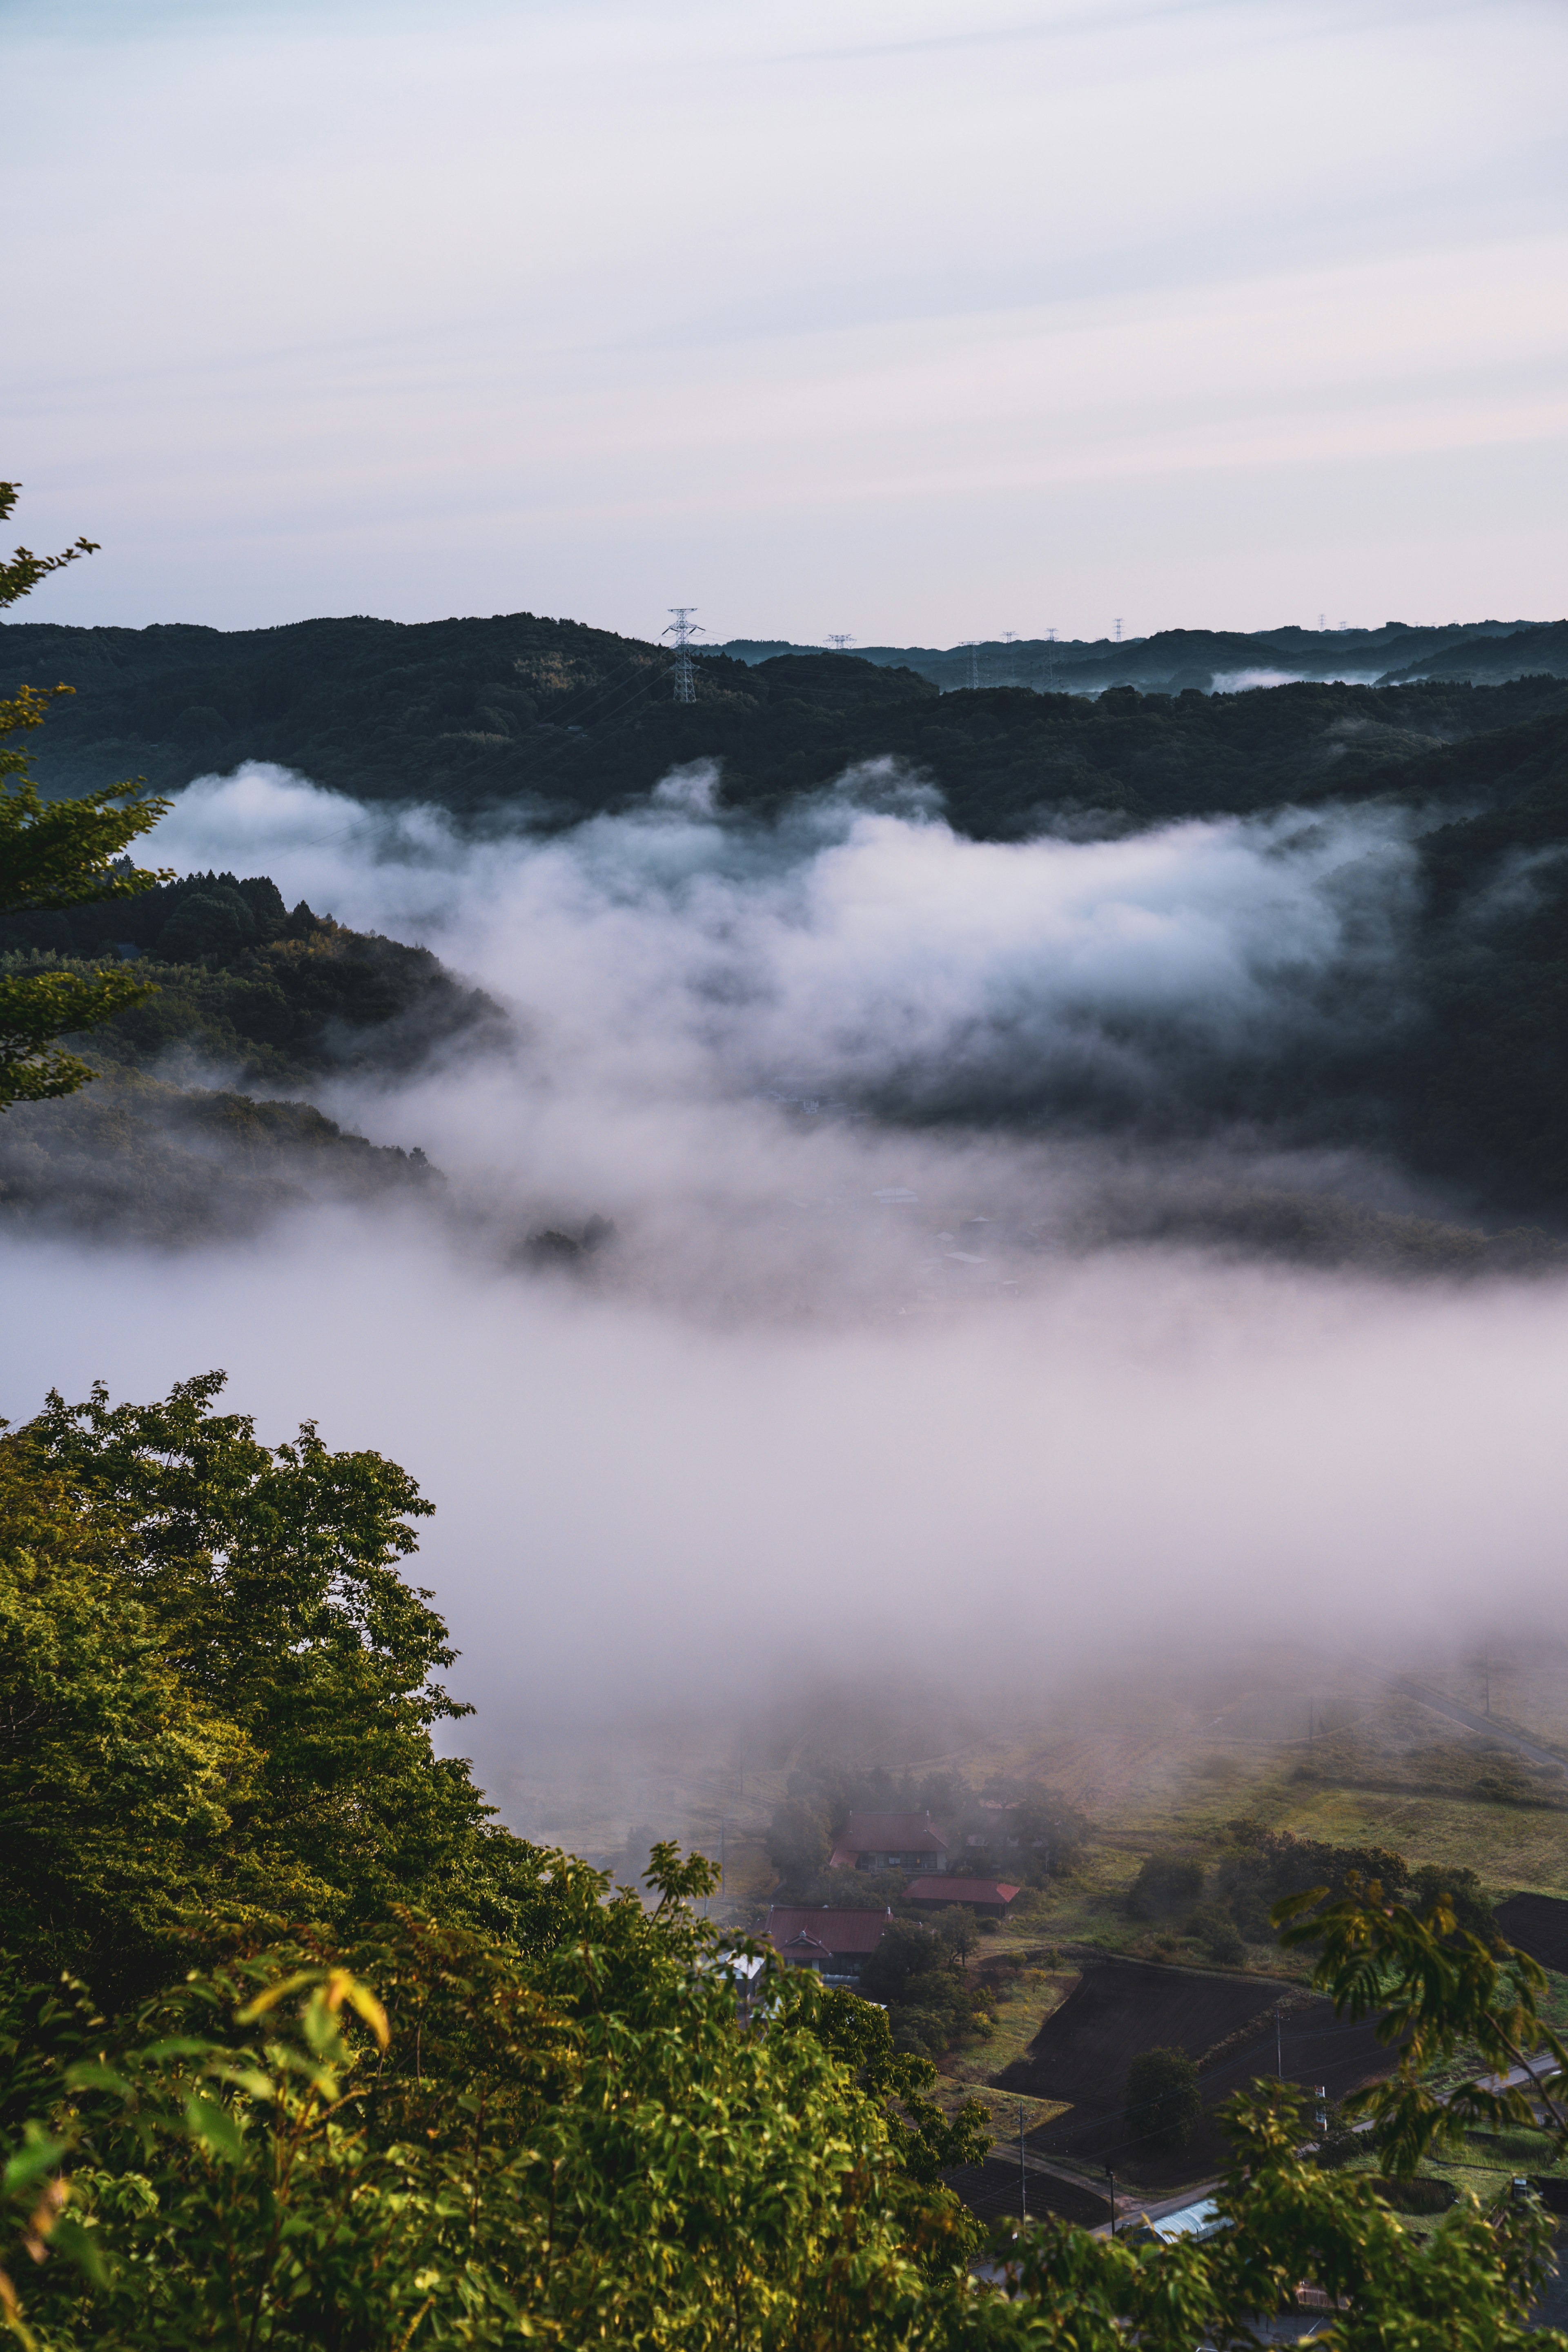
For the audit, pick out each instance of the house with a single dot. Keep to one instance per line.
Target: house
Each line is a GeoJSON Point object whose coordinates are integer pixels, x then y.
{"type": "Point", "coordinates": [835, 1943]}
{"type": "Point", "coordinates": [889, 1842]}
{"type": "Point", "coordinates": [992, 1898]}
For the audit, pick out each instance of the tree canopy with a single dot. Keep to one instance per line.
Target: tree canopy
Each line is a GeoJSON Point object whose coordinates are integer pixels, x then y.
{"type": "Point", "coordinates": [54, 854]}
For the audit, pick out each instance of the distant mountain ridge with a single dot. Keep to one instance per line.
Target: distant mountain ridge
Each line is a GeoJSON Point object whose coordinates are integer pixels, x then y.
{"type": "Point", "coordinates": [551, 720]}
{"type": "Point", "coordinates": [1175, 660]}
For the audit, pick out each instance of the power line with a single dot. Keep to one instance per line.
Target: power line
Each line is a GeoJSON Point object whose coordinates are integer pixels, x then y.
{"type": "Point", "coordinates": [683, 629]}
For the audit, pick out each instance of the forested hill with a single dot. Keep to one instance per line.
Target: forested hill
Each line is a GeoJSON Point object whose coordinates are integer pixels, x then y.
{"type": "Point", "coordinates": [550, 716]}
{"type": "Point", "coordinates": [1172, 660]}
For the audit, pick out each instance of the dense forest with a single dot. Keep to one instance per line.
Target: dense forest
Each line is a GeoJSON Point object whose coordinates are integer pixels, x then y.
{"type": "Point", "coordinates": [1172, 660]}
{"type": "Point", "coordinates": [184, 1136]}
{"type": "Point", "coordinates": [524, 717]}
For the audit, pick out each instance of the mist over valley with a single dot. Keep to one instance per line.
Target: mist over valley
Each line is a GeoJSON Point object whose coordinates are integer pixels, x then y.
{"type": "Point", "coordinates": [754, 1219]}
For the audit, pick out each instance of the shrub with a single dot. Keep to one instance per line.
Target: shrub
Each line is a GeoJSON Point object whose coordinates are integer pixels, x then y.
{"type": "Point", "coordinates": [1167, 1882]}
{"type": "Point", "coordinates": [1215, 1930]}
{"type": "Point", "coordinates": [1164, 2102]}
{"type": "Point", "coordinates": [1418, 2195]}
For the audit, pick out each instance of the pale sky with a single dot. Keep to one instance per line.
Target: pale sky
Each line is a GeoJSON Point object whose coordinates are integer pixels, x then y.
{"type": "Point", "coordinates": [917, 319]}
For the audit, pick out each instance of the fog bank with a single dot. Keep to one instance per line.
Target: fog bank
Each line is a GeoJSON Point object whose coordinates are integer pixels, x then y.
{"type": "Point", "coordinates": [847, 1395]}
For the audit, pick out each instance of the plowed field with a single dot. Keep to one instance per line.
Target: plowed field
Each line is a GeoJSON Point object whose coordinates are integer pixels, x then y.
{"type": "Point", "coordinates": [1224, 2023]}
{"type": "Point", "coordinates": [1537, 1924]}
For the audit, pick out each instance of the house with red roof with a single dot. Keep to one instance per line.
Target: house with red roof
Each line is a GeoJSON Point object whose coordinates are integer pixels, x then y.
{"type": "Point", "coordinates": [992, 1898]}
{"type": "Point", "coordinates": [837, 1943]}
{"type": "Point", "coordinates": [889, 1842]}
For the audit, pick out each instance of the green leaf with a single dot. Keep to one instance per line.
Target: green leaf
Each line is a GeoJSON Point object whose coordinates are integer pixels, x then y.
{"type": "Point", "coordinates": [214, 2127]}
{"type": "Point", "coordinates": [30, 2163]}
{"type": "Point", "coordinates": [90, 2075]}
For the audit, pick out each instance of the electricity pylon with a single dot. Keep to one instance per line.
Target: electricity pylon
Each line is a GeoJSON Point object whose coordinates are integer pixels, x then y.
{"type": "Point", "coordinates": [683, 628]}
{"type": "Point", "coordinates": [839, 639]}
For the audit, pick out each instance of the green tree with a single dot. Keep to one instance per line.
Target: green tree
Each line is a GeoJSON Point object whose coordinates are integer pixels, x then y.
{"type": "Point", "coordinates": [1165, 1882]}
{"type": "Point", "coordinates": [57, 853]}
{"type": "Point", "coordinates": [797, 1841]}
{"type": "Point", "coordinates": [259, 1591]}
{"type": "Point", "coordinates": [580, 2149]}
{"type": "Point", "coordinates": [1163, 2101]}
{"type": "Point", "coordinates": [119, 1785]}
{"type": "Point", "coordinates": [960, 1932]}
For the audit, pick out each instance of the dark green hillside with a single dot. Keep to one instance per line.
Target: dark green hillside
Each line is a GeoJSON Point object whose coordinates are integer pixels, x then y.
{"type": "Point", "coordinates": [521, 714]}
{"type": "Point", "coordinates": [131, 1159]}
{"type": "Point", "coordinates": [1173, 659]}
{"type": "Point", "coordinates": [274, 997]}
{"type": "Point", "coordinates": [248, 992]}
{"type": "Point", "coordinates": [1526, 654]}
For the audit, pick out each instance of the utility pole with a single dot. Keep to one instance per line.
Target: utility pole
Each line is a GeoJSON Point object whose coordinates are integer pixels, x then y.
{"type": "Point", "coordinates": [683, 628]}
{"type": "Point", "coordinates": [1023, 2176]}
{"type": "Point", "coordinates": [839, 639]}
{"type": "Point", "coordinates": [1111, 2177]}
{"type": "Point", "coordinates": [1279, 2041]}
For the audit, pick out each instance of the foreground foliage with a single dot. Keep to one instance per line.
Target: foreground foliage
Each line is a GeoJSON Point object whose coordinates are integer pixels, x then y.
{"type": "Point", "coordinates": [572, 2140]}
{"type": "Point", "coordinates": [55, 854]}
{"type": "Point", "coordinates": [485, 2098]}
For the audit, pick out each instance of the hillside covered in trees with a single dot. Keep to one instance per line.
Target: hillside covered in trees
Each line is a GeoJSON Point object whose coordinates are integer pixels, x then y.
{"type": "Point", "coordinates": [527, 716]}
{"type": "Point", "coordinates": [1453, 1056]}
{"type": "Point", "coordinates": [183, 1135]}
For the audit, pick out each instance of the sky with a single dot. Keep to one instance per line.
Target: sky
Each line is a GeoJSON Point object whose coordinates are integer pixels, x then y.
{"type": "Point", "coordinates": [919, 319]}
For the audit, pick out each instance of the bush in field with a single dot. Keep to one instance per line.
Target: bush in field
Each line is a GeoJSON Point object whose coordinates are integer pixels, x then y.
{"type": "Point", "coordinates": [1165, 1883]}
{"type": "Point", "coordinates": [1216, 1932]}
{"type": "Point", "coordinates": [1162, 2100]}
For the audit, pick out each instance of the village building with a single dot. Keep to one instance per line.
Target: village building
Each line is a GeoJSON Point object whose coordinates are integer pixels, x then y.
{"type": "Point", "coordinates": [990, 1898]}
{"type": "Point", "coordinates": [837, 1943]}
{"type": "Point", "coordinates": [889, 1842]}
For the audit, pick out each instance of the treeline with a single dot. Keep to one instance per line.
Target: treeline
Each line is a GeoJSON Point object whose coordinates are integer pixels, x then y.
{"type": "Point", "coordinates": [264, 1000]}
{"type": "Point", "coordinates": [1172, 660]}
{"type": "Point", "coordinates": [556, 721]}
{"type": "Point", "coordinates": [1225, 1910]}
{"type": "Point", "coordinates": [1020, 1830]}
{"type": "Point", "coordinates": [272, 995]}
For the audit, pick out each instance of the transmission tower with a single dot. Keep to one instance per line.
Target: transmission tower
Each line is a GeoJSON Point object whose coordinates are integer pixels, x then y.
{"type": "Point", "coordinates": [1051, 658]}
{"type": "Point", "coordinates": [839, 639]}
{"type": "Point", "coordinates": [1010, 638]}
{"type": "Point", "coordinates": [1118, 632]}
{"type": "Point", "coordinates": [974, 664]}
{"type": "Point", "coordinates": [683, 628]}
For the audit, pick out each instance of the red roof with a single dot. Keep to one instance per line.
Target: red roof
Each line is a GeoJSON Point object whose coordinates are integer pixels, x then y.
{"type": "Point", "coordinates": [800, 1931]}
{"type": "Point", "coordinates": [943, 1888]}
{"type": "Point", "coordinates": [890, 1833]}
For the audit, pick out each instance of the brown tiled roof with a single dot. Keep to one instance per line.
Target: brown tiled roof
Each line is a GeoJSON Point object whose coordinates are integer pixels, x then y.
{"type": "Point", "coordinates": [798, 1927]}
{"type": "Point", "coordinates": [890, 1833]}
{"type": "Point", "coordinates": [944, 1887]}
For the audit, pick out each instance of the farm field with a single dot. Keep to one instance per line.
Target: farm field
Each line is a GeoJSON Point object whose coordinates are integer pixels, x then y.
{"type": "Point", "coordinates": [1289, 1738]}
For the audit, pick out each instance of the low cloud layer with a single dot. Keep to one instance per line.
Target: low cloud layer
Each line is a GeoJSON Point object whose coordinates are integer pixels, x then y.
{"type": "Point", "coordinates": [855, 944]}
{"type": "Point", "coordinates": [849, 1394]}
